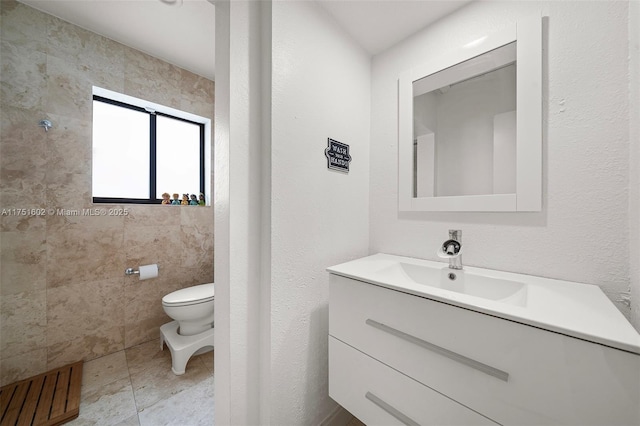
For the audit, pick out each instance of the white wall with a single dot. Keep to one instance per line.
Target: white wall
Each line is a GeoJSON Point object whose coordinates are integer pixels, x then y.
{"type": "Point", "coordinates": [320, 89]}
{"type": "Point", "coordinates": [582, 233]}
{"type": "Point", "coordinates": [238, 200]}
{"type": "Point", "coordinates": [221, 272]}
{"type": "Point", "coordinates": [288, 79]}
{"type": "Point", "coordinates": [634, 158]}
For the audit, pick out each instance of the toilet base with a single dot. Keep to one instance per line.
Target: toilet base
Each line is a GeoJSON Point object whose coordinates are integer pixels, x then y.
{"type": "Point", "coordinates": [183, 347]}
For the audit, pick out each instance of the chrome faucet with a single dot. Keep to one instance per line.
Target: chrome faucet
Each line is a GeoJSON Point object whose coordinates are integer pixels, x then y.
{"type": "Point", "coordinates": [452, 249]}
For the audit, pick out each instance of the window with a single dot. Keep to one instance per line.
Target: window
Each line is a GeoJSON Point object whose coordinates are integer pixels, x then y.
{"type": "Point", "coordinates": [142, 150]}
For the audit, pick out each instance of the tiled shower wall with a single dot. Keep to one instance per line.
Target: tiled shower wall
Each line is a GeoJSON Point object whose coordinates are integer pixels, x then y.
{"type": "Point", "coordinates": [64, 295]}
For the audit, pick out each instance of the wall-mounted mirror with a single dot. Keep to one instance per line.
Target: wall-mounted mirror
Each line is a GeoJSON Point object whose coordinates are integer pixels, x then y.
{"type": "Point", "coordinates": [470, 126]}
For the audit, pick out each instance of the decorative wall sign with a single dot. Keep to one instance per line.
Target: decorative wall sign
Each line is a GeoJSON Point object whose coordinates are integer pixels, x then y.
{"type": "Point", "coordinates": [337, 154]}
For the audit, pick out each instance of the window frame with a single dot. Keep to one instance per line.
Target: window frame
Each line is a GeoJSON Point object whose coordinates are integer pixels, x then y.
{"type": "Point", "coordinates": [153, 113]}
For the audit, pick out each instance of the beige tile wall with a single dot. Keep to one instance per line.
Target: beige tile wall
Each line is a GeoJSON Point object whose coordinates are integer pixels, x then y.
{"type": "Point", "coordinates": [63, 293]}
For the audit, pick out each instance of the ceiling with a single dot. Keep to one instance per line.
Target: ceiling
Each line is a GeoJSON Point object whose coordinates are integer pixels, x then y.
{"type": "Point", "coordinates": [182, 32]}
{"type": "Point", "coordinates": [379, 24]}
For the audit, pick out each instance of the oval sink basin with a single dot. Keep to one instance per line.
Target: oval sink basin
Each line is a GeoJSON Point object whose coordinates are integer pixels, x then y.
{"type": "Point", "coordinates": [460, 281]}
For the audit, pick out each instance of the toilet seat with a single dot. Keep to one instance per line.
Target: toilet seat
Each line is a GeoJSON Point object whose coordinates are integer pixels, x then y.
{"type": "Point", "coordinates": [190, 296]}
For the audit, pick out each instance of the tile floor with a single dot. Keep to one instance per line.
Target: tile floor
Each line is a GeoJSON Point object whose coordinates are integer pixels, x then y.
{"type": "Point", "coordinates": [136, 387]}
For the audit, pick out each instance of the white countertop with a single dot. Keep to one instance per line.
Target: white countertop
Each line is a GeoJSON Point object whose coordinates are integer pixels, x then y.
{"type": "Point", "coordinates": [575, 309]}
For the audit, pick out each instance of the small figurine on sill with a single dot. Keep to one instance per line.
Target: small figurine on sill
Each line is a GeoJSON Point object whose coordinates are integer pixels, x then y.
{"type": "Point", "coordinates": [185, 199]}
{"type": "Point", "coordinates": [194, 200]}
{"type": "Point", "coordinates": [175, 201]}
{"type": "Point", "coordinates": [166, 198]}
{"type": "Point", "coordinates": [201, 200]}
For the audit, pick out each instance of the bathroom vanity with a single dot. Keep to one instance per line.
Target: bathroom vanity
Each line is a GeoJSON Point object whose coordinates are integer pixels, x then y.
{"type": "Point", "coordinates": [409, 343]}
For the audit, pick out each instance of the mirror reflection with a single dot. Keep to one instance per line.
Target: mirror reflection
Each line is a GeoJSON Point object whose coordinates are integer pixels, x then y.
{"type": "Point", "coordinates": [464, 127]}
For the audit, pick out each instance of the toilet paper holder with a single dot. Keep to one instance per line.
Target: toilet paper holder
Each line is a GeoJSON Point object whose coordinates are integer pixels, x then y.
{"type": "Point", "coordinates": [131, 271]}
{"type": "Point", "coordinates": [144, 272]}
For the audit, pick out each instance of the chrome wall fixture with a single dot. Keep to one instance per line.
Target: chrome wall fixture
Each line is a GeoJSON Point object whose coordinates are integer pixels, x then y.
{"type": "Point", "coordinates": [131, 271]}
{"type": "Point", "coordinates": [47, 124]}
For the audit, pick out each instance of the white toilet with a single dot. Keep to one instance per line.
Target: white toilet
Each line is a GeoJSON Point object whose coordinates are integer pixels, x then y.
{"type": "Point", "coordinates": [192, 331]}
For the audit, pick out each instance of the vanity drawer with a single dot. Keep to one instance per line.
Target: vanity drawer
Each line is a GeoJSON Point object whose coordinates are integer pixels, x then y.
{"type": "Point", "coordinates": [377, 394]}
{"type": "Point", "coordinates": [510, 372]}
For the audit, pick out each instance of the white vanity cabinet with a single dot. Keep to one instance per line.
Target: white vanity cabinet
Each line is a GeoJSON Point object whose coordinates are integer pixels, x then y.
{"type": "Point", "coordinates": [399, 358]}
{"type": "Point", "coordinates": [378, 394]}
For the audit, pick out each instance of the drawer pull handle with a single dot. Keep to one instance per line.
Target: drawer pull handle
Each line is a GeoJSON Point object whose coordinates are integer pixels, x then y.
{"type": "Point", "coordinates": [389, 409]}
{"type": "Point", "coordinates": [499, 374]}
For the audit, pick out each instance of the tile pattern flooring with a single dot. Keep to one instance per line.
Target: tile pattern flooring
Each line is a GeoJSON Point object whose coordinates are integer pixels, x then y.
{"type": "Point", "coordinates": [137, 387]}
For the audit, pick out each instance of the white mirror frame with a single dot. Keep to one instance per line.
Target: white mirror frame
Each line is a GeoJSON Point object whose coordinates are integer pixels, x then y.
{"type": "Point", "coordinates": [528, 197]}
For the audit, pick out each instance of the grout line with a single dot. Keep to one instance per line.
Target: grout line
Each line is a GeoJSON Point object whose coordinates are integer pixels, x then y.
{"type": "Point", "coordinates": [133, 391]}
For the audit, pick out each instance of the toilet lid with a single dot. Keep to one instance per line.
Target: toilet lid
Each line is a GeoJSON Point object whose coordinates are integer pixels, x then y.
{"type": "Point", "coordinates": [190, 295]}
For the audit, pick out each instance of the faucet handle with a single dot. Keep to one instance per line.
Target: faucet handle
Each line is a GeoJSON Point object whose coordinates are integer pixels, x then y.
{"type": "Point", "coordinates": [450, 248]}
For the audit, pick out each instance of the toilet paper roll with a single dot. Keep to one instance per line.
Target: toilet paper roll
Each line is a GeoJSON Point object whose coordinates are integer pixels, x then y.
{"type": "Point", "coordinates": [148, 271]}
